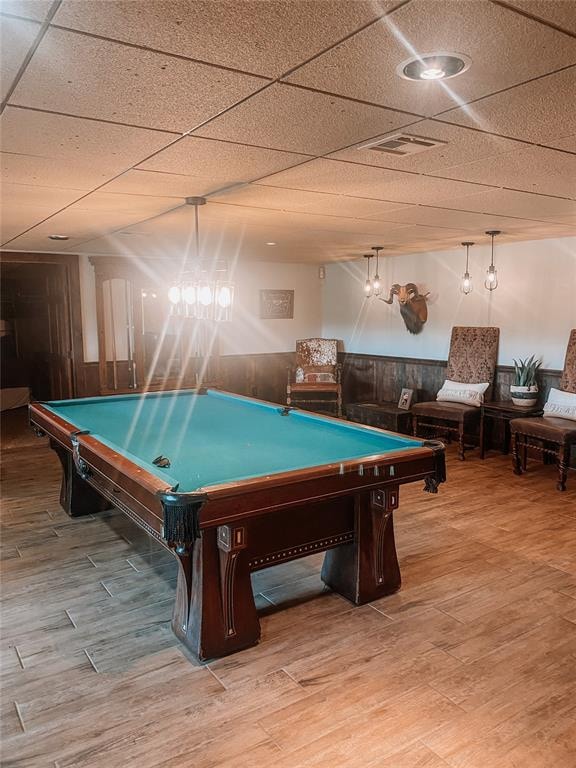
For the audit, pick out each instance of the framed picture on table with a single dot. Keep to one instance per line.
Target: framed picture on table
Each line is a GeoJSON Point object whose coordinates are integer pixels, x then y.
{"type": "Point", "coordinates": [405, 400]}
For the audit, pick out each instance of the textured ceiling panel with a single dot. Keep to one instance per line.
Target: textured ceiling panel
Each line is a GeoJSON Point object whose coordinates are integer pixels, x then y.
{"type": "Point", "coordinates": [162, 184]}
{"type": "Point", "coordinates": [367, 181]}
{"type": "Point", "coordinates": [462, 146]}
{"type": "Point", "coordinates": [503, 202]}
{"type": "Point", "coordinates": [541, 111]}
{"type": "Point", "coordinates": [289, 118]}
{"type": "Point", "coordinates": [24, 195]}
{"type": "Point", "coordinates": [144, 205]}
{"type": "Point", "coordinates": [16, 218]}
{"type": "Point", "coordinates": [532, 169]}
{"type": "Point", "coordinates": [445, 217]}
{"type": "Point", "coordinates": [28, 9]}
{"type": "Point", "coordinates": [83, 76]}
{"type": "Point", "coordinates": [559, 12]}
{"type": "Point", "coordinates": [267, 38]}
{"type": "Point", "coordinates": [494, 38]}
{"type": "Point", "coordinates": [225, 163]}
{"type": "Point", "coordinates": [51, 171]}
{"type": "Point", "coordinates": [310, 202]}
{"type": "Point", "coordinates": [71, 139]}
{"type": "Point", "coordinates": [16, 37]}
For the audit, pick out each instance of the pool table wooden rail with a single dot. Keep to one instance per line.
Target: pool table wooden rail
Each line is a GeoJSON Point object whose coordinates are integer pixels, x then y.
{"type": "Point", "coordinates": [222, 533]}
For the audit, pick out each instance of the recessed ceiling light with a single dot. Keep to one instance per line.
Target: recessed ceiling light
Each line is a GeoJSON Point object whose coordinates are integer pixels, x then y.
{"type": "Point", "coordinates": [434, 66]}
{"type": "Point", "coordinates": [271, 243]}
{"type": "Point", "coordinates": [58, 237]}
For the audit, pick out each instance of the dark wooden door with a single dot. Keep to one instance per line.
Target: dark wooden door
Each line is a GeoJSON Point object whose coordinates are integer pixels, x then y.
{"type": "Point", "coordinates": [41, 327]}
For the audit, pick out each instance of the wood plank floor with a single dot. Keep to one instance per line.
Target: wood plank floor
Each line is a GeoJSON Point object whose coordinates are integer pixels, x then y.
{"type": "Point", "coordinates": [471, 665]}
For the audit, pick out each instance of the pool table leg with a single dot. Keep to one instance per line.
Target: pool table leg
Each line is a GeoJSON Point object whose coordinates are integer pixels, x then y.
{"type": "Point", "coordinates": [215, 613]}
{"type": "Point", "coordinates": [368, 569]}
{"type": "Point", "coordinates": [77, 497]}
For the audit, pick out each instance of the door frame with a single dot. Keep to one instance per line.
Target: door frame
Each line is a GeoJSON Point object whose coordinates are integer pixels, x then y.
{"type": "Point", "coordinates": [71, 263]}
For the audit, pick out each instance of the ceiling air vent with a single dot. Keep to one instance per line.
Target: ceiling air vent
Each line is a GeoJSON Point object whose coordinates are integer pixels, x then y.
{"type": "Point", "coordinates": [402, 144]}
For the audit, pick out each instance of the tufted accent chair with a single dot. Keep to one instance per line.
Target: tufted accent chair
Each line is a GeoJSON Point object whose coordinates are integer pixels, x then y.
{"type": "Point", "coordinates": [317, 371]}
{"type": "Point", "coordinates": [471, 360]}
{"type": "Point", "coordinates": [548, 435]}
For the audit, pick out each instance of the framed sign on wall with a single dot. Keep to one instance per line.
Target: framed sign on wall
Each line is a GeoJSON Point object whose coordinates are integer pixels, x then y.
{"type": "Point", "coordinates": [276, 304]}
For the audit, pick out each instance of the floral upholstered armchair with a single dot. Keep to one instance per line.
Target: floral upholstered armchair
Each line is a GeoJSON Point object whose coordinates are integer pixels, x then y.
{"type": "Point", "coordinates": [316, 372]}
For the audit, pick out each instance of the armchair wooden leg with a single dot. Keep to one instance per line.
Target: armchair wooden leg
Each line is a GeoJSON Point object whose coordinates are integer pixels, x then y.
{"type": "Point", "coordinates": [516, 459]}
{"type": "Point", "coordinates": [563, 459]}
{"type": "Point", "coordinates": [461, 442]}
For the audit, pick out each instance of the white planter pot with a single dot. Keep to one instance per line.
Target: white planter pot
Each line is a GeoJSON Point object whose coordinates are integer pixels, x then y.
{"type": "Point", "coordinates": [524, 396]}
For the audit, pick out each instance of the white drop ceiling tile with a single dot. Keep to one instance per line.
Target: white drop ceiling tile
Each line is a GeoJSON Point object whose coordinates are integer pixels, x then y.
{"type": "Point", "coordinates": [30, 196]}
{"type": "Point", "coordinates": [503, 202]}
{"type": "Point", "coordinates": [16, 37]}
{"type": "Point", "coordinates": [310, 202]}
{"type": "Point", "coordinates": [559, 12]}
{"type": "Point", "coordinates": [26, 9]}
{"type": "Point", "coordinates": [72, 139]}
{"type": "Point", "coordinates": [332, 176]}
{"type": "Point", "coordinates": [539, 111]}
{"type": "Point", "coordinates": [462, 145]}
{"type": "Point", "coordinates": [224, 162]}
{"type": "Point", "coordinates": [531, 169]}
{"type": "Point", "coordinates": [161, 184]}
{"type": "Point", "coordinates": [266, 38]}
{"type": "Point", "coordinates": [79, 225]}
{"type": "Point", "coordinates": [90, 77]}
{"type": "Point", "coordinates": [445, 217]}
{"type": "Point", "coordinates": [51, 172]}
{"type": "Point", "coordinates": [283, 117]}
{"type": "Point", "coordinates": [146, 205]}
{"type": "Point", "coordinates": [495, 38]}
{"type": "Point", "coordinates": [567, 143]}
{"type": "Point", "coordinates": [15, 218]}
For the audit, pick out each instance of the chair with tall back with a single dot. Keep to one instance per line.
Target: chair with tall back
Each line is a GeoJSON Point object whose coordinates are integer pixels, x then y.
{"type": "Point", "coordinates": [317, 372]}
{"type": "Point", "coordinates": [471, 360]}
{"type": "Point", "coordinates": [549, 435]}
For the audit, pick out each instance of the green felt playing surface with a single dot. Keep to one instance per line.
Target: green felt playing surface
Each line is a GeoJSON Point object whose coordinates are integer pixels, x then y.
{"type": "Point", "coordinates": [217, 437]}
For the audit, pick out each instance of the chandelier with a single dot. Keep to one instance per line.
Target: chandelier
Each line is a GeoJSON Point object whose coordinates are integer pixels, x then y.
{"type": "Point", "coordinates": [203, 290]}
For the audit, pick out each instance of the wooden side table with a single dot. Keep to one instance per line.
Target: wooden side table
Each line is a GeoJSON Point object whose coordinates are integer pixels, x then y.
{"type": "Point", "coordinates": [503, 411]}
{"type": "Point", "coordinates": [382, 415]}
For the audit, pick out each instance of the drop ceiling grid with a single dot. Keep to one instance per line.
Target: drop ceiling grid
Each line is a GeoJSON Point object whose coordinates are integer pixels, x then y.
{"type": "Point", "coordinates": [157, 154]}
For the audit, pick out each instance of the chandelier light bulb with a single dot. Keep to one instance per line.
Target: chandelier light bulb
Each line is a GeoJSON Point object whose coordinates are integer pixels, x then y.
{"type": "Point", "coordinates": [377, 285]}
{"type": "Point", "coordinates": [206, 297]}
{"type": "Point", "coordinates": [368, 288]}
{"type": "Point", "coordinates": [189, 294]}
{"type": "Point", "coordinates": [174, 294]}
{"type": "Point", "coordinates": [224, 297]}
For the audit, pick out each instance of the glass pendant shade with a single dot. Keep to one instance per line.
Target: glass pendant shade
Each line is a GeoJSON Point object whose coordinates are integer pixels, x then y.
{"type": "Point", "coordinates": [368, 285]}
{"type": "Point", "coordinates": [376, 283]}
{"type": "Point", "coordinates": [466, 282]}
{"type": "Point", "coordinates": [491, 281]}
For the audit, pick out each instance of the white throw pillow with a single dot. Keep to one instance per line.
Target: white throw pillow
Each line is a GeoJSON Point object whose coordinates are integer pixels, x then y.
{"type": "Point", "coordinates": [458, 392]}
{"type": "Point", "coordinates": [561, 404]}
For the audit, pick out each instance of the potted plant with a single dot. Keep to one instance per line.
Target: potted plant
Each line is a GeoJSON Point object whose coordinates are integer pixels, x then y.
{"type": "Point", "coordinates": [524, 390]}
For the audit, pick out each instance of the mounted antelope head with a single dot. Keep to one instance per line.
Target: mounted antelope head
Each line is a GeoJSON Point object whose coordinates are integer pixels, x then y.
{"type": "Point", "coordinates": [412, 303]}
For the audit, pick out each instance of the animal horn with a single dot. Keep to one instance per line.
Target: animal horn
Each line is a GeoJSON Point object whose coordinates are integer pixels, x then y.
{"type": "Point", "coordinates": [393, 291]}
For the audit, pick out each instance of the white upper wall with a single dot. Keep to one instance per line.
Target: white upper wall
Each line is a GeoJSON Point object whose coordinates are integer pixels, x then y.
{"type": "Point", "coordinates": [247, 333]}
{"type": "Point", "coordinates": [534, 305]}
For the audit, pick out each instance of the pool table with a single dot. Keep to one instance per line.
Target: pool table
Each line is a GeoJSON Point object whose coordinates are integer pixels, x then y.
{"type": "Point", "coordinates": [232, 485]}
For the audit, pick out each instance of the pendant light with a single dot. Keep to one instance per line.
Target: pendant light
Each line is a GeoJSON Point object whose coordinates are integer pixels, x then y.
{"type": "Point", "coordinates": [491, 281]}
{"type": "Point", "coordinates": [202, 293]}
{"type": "Point", "coordinates": [466, 282]}
{"type": "Point", "coordinates": [376, 284]}
{"type": "Point", "coordinates": [368, 287]}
